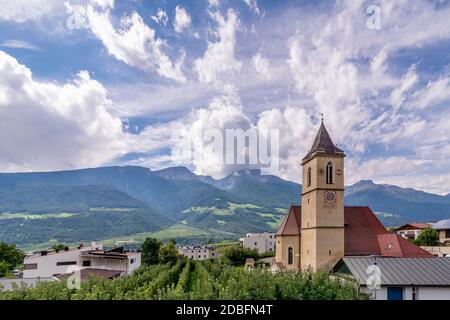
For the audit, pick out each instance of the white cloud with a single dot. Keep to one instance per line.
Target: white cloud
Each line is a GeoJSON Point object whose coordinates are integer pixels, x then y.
{"type": "Point", "coordinates": [50, 126]}
{"type": "Point", "coordinates": [435, 93]}
{"type": "Point", "coordinates": [19, 44]}
{"type": "Point", "coordinates": [407, 82]}
{"type": "Point", "coordinates": [20, 11]}
{"type": "Point", "coordinates": [213, 3]}
{"type": "Point", "coordinates": [161, 17]}
{"type": "Point", "coordinates": [182, 19]}
{"type": "Point", "coordinates": [261, 66]}
{"type": "Point", "coordinates": [219, 58]}
{"type": "Point", "coordinates": [253, 5]}
{"type": "Point", "coordinates": [134, 43]}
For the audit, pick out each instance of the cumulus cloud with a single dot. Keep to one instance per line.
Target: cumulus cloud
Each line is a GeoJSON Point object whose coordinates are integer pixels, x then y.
{"type": "Point", "coordinates": [161, 17]}
{"type": "Point", "coordinates": [134, 43]}
{"type": "Point", "coordinates": [182, 19]}
{"type": "Point", "coordinates": [49, 126]}
{"type": "Point", "coordinates": [261, 66]}
{"type": "Point", "coordinates": [20, 11]}
{"type": "Point", "coordinates": [219, 57]}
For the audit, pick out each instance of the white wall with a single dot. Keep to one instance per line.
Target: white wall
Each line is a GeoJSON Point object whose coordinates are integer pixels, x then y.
{"type": "Point", "coordinates": [263, 242]}
{"type": "Point", "coordinates": [198, 253]}
{"type": "Point", "coordinates": [47, 264]}
{"type": "Point", "coordinates": [423, 293]}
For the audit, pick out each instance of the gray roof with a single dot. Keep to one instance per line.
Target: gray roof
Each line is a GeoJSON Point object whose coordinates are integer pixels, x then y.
{"type": "Point", "coordinates": [442, 224]}
{"type": "Point", "coordinates": [7, 284]}
{"type": "Point", "coordinates": [402, 271]}
{"type": "Point", "coordinates": [323, 144]}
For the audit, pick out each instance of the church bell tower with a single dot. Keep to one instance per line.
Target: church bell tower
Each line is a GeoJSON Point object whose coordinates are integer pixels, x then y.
{"type": "Point", "coordinates": [322, 219]}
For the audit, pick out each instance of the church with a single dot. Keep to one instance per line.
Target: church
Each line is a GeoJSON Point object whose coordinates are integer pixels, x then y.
{"type": "Point", "coordinates": [320, 232]}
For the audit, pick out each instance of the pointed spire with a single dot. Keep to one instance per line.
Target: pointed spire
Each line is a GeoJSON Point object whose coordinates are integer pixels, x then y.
{"type": "Point", "coordinates": [323, 144]}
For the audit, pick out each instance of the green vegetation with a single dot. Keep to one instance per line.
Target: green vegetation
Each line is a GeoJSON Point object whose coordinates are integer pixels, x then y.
{"type": "Point", "coordinates": [10, 258]}
{"type": "Point", "coordinates": [197, 280]}
{"type": "Point", "coordinates": [30, 216]}
{"type": "Point", "coordinates": [175, 231]}
{"type": "Point", "coordinates": [229, 210]}
{"type": "Point", "coordinates": [428, 237]}
{"type": "Point", "coordinates": [150, 250]}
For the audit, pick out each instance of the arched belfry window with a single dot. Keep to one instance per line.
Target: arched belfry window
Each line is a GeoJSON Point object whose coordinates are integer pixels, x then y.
{"type": "Point", "coordinates": [329, 173]}
{"type": "Point", "coordinates": [290, 255]}
{"type": "Point", "coordinates": [308, 182]}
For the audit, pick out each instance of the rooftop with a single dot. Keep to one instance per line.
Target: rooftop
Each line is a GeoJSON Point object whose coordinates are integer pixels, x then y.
{"type": "Point", "coordinates": [442, 225]}
{"type": "Point", "coordinates": [323, 144]}
{"type": "Point", "coordinates": [400, 271]}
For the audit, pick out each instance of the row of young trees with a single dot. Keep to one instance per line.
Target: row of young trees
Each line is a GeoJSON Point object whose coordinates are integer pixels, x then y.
{"type": "Point", "coordinates": [197, 280]}
{"type": "Point", "coordinates": [168, 276]}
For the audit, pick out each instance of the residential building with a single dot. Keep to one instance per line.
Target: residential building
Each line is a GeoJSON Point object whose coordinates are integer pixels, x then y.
{"type": "Point", "coordinates": [399, 278]}
{"type": "Point", "coordinates": [198, 252]}
{"type": "Point", "coordinates": [438, 251]}
{"type": "Point", "coordinates": [411, 231]}
{"type": "Point", "coordinates": [443, 227]}
{"type": "Point", "coordinates": [93, 258]}
{"type": "Point", "coordinates": [320, 232]}
{"type": "Point", "coordinates": [263, 242]}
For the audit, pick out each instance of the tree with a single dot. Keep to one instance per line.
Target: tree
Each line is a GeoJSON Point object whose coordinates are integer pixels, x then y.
{"type": "Point", "coordinates": [168, 253]}
{"type": "Point", "coordinates": [59, 247]}
{"type": "Point", "coordinates": [10, 257]}
{"type": "Point", "coordinates": [428, 237]}
{"type": "Point", "coordinates": [238, 254]}
{"type": "Point", "coordinates": [150, 251]}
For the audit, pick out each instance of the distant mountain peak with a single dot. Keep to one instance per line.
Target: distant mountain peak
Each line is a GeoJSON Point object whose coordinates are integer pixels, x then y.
{"type": "Point", "coordinates": [177, 173]}
{"type": "Point", "coordinates": [247, 172]}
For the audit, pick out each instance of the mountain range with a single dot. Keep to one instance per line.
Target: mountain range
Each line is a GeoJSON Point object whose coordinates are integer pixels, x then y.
{"type": "Point", "coordinates": [130, 203]}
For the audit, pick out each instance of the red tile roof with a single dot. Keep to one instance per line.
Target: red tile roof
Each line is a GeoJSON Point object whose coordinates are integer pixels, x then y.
{"type": "Point", "coordinates": [413, 226]}
{"type": "Point", "coordinates": [291, 224]}
{"type": "Point", "coordinates": [364, 234]}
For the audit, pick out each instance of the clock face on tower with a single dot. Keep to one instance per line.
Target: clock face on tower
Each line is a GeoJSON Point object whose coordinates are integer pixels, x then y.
{"type": "Point", "coordinates": [330, 196]}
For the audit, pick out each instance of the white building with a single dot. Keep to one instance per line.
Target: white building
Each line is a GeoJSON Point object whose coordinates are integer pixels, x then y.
{"type": "Point", "coordinates": [93, 258]}
{"type": "Point", "coordinates": [412, 230]}
{"type": "Point", "coordinates": [399, 278]}
{"type": "Point", "coordinates": [198, 252]}
{"type": "Point", "coordinates": [263, 242]}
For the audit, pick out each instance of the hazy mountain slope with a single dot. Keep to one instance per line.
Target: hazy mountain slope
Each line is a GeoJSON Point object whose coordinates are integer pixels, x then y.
{"type": "Point", "coordinates": [113, 201]}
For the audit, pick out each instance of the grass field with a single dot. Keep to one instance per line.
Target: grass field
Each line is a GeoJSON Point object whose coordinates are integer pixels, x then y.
{"type": "Point", "coordinates": [175, 231]}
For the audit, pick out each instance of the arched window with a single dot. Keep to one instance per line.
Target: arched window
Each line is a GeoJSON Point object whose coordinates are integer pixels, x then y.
{"type": "Point", "coordinates": [329, 172]}
{"type": "Point", "coordinates": [308, 183]}
{"type": "Point", "coordinates": [290, 255]}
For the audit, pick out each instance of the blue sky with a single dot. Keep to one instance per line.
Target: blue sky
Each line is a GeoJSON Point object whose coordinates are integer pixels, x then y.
{"type": "Point", "coordinates": [102, 82]}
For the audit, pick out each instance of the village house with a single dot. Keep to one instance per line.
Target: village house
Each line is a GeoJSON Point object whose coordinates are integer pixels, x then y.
{"type": "Point", "coordinates": [399, 278]}
{"type": "Point", "coordinates": [322, 231]}
{"type": "Point", "coordinates": [443, 228]}
{"type": "Point", "coordinates": [263, 242]}
{"type": "Point", "coordinates": [93, 259]}
{"type": "Point", "coordinates": [198, 252]}
{"type": "Point", "coordinates": [411, 231]}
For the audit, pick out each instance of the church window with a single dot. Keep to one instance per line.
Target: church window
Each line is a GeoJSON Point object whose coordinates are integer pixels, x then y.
{"type": "Point", "coordinates": [290, 255]}
{"type": "Point", "coordinates": [329, 176]}
{"type": "Point", "coordinates": [309, 177]}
